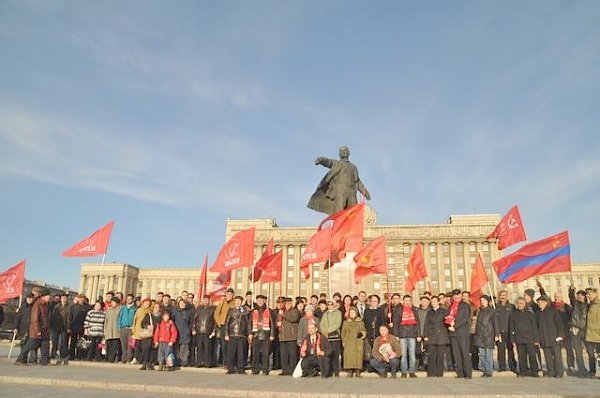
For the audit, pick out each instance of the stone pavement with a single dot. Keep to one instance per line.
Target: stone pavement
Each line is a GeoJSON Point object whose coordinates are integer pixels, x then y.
{"type": "Point", "coordinates": [214, 383]}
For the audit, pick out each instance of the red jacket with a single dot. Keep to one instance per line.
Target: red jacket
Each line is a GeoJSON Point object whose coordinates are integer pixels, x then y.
{"type": "Point", "coordinates": [166, 332]}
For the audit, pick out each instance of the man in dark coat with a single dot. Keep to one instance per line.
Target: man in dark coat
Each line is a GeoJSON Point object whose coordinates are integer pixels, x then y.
{"type": "Point", "coordinates": [436, 336]}
{"type": "Point", "coordinates": [551, 330]}
{"type": "Point", "coordinates": [337, 190]}
{"type": "Point", "coordinates": [523, 332]}
{"type": "Point", "coordinates": [78, 312]}
{"type": "Point", "coordinates": [262, 333]}
{"type": "Point", "coordinates": [204, 328]}
{"type": "Point", "coordinates": [60, 321]}
{"type": "Point", "coordinates": [236, 334]}
{"type": "Point", "coordinates": [459, 321]}
{"type": "Point", "coordinates": [503, 310]}
{"type": "Point", "coordinates": [39, 330]}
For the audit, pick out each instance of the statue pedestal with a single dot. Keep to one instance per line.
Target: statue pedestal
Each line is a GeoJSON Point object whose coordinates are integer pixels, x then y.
{"type": "Point", "coordinates": [342, 276]}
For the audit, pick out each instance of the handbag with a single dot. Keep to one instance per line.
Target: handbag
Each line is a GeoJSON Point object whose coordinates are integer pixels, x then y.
{"type": "Point", "coordinates": [148, 331]}
{"type": "Point", "coordinates": [334, 336]}
{"type": "Point", "coordinates": [84, 343]}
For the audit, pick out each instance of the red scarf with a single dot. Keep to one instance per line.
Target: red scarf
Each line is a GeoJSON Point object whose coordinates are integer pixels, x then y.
{"type": "Point", "coordinates": [264, 323]}
{"type": "Point", "coordinates": [453, 312]}
{"type": "Point", "coordinates": [318, 349]}
{"type": "Point", "coordinates": [408, 316]}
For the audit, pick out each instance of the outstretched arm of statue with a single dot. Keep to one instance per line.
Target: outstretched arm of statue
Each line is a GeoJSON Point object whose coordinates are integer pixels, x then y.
{"type": "Point", "coordinates": [362, 189]}
{"type": "Point", "coordinates": [325, 162]}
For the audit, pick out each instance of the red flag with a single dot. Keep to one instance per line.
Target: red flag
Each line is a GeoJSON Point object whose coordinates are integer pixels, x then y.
{"type": "Point", "coordinates": [510, 230]}
{"type": "Point", "coordinates": [272, 268]}
{"type": "Point", "coordinates": [93, 245]}
{"type": "Point", "coordinates": [11, 282]}
{"type": "Point", "coordinates": [238, 252]}
{"type": "Point", "coordinates": [546, 256]}
{"type": "Point", "coordinates": [347, 231]}
{"type": "Point", "coordinates": [317, 250]}
{"type": "Point", "coordinates": [372, 259]}
{"type": "Point", "coordinates": [479, 279]}
{"type": "Point", "coordinates": [203, 279]}
{"type": "Point", "coordinates": [218, 287]}
{"type": "Point", "coordinates": [416, 268]}
{"type": "Point", "coordinates": [260, 264]}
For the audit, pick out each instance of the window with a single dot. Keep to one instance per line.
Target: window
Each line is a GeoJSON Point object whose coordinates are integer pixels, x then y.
{"type": "Point", "coordinates": [316, 286]}
{"type": "Point", "coordinates": [473, 258]}
{"type": "Point", "coordinates": [590, 282]}
{"type": "Point", "coordinates": [435, 285]}
{"type": "Point", "coordinates": [473, 247]}
{"type": "Point", "coordinates": [406, 249]}
{"type": "Point", "coordinates": [290, 274]}
{"type": "Point", "coordinates": [316, 273]}
{"type": "Point", "coordinates": [461, 284]}
{"type": "Point", "coordinates": [239, 285]}
{"type": "Point", "coordinates": [391, 260]}
{"type": "Point", "coordinates": [460, 272]}
{"type": "Point", "coordinates": [432, 248]}
{"type": "Point", "coordinates": [376, 285]}
{"type": "Point", "coordinates": [290, 262]}
{"type": "Point", "coordinates": [290, 288]}
{"type": "Point", "coordinates": [392, 272]}
{"type": "Point", "coordinates": [390, 249]}
{"type": "Point", "coordinates": [448, 284]}
{"type": "Point", "coordinates": [447, 272]}
{"type": "Point", "coordinates": [460, 260]}
{"type": "Point", "coordinates": [486, 246]}
{"type": "Point", "coordinates": [290, 251]}
{"type": "Point", "coordinates": [433, 260]}
{"type": "Point", "coordinates": [446, 248]}
{"type": "Point", "coordinates": [447, 260]}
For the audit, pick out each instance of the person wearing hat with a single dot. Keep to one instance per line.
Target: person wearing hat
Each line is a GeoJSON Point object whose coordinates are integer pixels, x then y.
{"type": "Point", "coordinates": [577, 323]}
{"type": "Point", "coordinates": [261, 335]}
{"type": "Point", "coordinates": [59, 325]}
{"type": "Point", "coordinates": [39, 330]}
{"type": "Point", "coordinates": [529, 301]}
{"type": "Point", "coordinates": [22, 324]}
{"type": "Point", "coordinates": [287, 337]}
{"type": "Point", "coordinates": [458, 321]}
{"type": "Point", "coordinates": [237, 330]}
{"type": "Point", "coordinates": [504, 310]}
{"type": "Point", "coordinates": [551, 336]}
{"type": "Point", "coordinates": [221, 312]}
{"type": "Point", "coordinates": [487, 334]}
{"type": "Point", "coordinates": [308, 318]}
{"type": "Point", "coordinates": [203, 330]}
{"type": "Point", "coordinates": [112, 334]}
{"type": "Point", "coordinates": [592, 330]}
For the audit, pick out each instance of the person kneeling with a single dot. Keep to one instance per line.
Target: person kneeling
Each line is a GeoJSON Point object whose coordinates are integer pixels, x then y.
{"type": "Point", "coordinates": [315, 351]}
{"type": "Point", "coordinates": [386, 353]}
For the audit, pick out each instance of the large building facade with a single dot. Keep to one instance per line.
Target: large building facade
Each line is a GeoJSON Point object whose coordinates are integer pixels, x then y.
{"type": "Point", "coordinates": [450, 250]}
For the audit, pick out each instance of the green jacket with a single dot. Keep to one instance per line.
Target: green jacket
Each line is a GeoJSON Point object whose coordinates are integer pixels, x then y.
{"type": "Point", "coordinates": [592, 330]}
{"type": "Point", "coordinates": [111, 327]}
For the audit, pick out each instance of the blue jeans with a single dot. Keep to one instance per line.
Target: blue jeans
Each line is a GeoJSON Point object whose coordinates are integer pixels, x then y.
{"type": "Point", "coordinates": [486, 360]}
{"type": "Point", "coordinates": [381, 366]}
{"type": "Point", "coordinates": [408, 361]}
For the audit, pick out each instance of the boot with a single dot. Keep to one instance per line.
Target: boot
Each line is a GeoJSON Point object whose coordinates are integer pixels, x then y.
{"type": "Point", "coordinates": [143, 367]}
{"type": "Point", "coordinates": [350, 373]}
{"type": "Point", "coordinates": [357, 373]}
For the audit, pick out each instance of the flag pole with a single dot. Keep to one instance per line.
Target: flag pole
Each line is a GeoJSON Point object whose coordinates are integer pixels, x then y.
{"type": "Point", "coordinates": [492, 295]}
{"type": "Point", "coordinates": [12, 343]}
{"type": "Point", "coordinates": [101, 274]}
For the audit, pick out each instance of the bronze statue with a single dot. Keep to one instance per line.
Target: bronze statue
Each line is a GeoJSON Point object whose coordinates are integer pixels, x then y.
{"type": "Point", "coordinates": [337, 190]}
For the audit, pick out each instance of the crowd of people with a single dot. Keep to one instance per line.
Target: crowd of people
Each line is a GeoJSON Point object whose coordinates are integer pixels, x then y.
{"type": "Point", "coordinates": [319, 336]}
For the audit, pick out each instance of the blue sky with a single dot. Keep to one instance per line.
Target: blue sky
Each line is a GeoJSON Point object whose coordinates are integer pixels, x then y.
{"type": "Point", "coordinates": [171, 117]}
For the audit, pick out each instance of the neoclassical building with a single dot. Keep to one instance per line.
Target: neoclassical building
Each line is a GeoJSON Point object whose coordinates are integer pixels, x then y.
{"type": "Point", "coordinates": [450, 250]}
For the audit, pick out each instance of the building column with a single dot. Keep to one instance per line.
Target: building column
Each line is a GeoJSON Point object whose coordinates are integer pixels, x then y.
{"type": "Point", "coordinates": [121, 282]}
{"type": "Point", "coordinates": [95, 285]}
{"type": "Point", "coordinates": [109, 283]}
{"type": "Point", "coordinates": [82, 283]}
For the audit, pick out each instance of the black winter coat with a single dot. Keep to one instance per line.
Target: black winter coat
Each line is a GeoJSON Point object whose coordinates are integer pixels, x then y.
{"type": "Point", "coordinates": [550, 325]}
{"type": "Point", "coordinates": [436, 331]}
{"type": "Point", "coordinates": [486, 328]}
{"type": "Point", "coordinates": [23, 319]}
{"type": "Point", "coordinates": [236, 323]}
{"type": "Point", "coordinates": [522, 327]}
{"type": "Point", "coordinates": [78, 313]}
{"type": "Point", "coordinates": [373, 318]}
{"type": "Point", "coordinates": [204, 320]}
{"type": "Point", "coordinates": [503, 314]}
{"type": "Point", "coordinates": [404, 331]}
{"type": "Point", "coordinates": [462, 323]}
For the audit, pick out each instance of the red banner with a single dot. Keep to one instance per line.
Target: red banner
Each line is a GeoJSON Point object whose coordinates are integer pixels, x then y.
{"type": "Point", "coordinates": [347, 231]}
{"type": "Point", "coordinates": [416, 268]}
{"type": "Point", "coordinates": [203, 279]}
{"type": "Point", "coordinates": [317, 250]}
{"type": "Point", "coordinates": [93, 245]}
{"type": "Point", "coordinates": [510, 230]}
{"type": "Point", "coordinates": [218, 287]}
{"type": "Point", "coordinates": [260, 264]}
{"type": "Point", "coordinates": [479, 279]}
{"type": "Point", "coordinates": [372, 259]}
{"type": "Point", "coordinates": [238, 252]}
{"type": "Point", "coordinates": [273, 268]}
{"type": "Point", "coordinates": [11, 282]}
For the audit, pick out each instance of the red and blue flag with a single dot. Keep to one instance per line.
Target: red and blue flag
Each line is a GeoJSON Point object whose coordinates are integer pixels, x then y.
{"type": "Point", "coordinates": [546, 256]}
